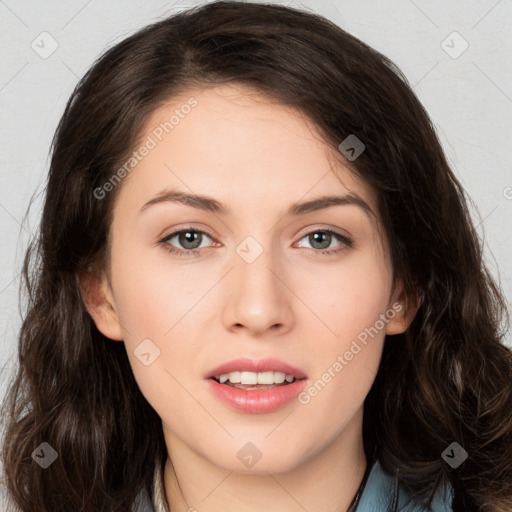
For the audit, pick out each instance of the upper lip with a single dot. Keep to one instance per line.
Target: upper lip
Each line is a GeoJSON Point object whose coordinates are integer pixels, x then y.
{"type": "Point", "coordinates": [244, 364]}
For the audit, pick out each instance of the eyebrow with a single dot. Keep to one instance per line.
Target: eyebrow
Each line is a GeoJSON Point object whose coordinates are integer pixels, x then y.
{"type": "Point", "coordinates": [209, 204]}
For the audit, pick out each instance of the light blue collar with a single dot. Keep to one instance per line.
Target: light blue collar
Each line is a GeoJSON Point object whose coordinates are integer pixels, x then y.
{"type": "Point", "coordinates": [382, 494]}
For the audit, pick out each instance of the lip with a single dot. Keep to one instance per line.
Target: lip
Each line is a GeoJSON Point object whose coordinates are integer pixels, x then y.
{"type": "Point", "coordinates": [256, 401]}
{"type": "Point", "coordinates": [244, 364]}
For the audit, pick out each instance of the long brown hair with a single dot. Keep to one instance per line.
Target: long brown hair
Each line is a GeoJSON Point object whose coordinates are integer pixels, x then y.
{"type": "Point", "coordinates": [447, 378]}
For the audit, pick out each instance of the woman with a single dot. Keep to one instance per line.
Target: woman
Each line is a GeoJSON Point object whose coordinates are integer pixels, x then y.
{"type": "Point", "coordinates": [258, 287]}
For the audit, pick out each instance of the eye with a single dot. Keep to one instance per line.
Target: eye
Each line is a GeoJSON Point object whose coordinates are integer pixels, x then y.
{"type": "Point", "coordinates": [189, 238]}
{"type": "Point", "coordinates": [321, 239]}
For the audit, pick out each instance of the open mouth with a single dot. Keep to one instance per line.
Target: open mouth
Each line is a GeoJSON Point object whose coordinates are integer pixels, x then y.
{"type": "Point", "coordinates": [251, 380]}
{"type": "Point", "coordinates": [260, 391]}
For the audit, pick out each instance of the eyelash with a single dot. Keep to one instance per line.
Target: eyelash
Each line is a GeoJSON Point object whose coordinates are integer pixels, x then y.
{"type": "Point", "coordinates": [195, 252]}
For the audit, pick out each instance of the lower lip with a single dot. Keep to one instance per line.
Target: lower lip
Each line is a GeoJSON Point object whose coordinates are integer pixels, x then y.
{"type": "Point", "coordinates": [256, 401]}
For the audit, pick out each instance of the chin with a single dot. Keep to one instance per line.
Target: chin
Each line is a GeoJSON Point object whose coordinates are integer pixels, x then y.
{"type": "Point", "coordinates": [256, 459]}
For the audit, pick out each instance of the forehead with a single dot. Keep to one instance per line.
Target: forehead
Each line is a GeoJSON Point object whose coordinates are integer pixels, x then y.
{"type": "Point", "coordinates": [241, 147]}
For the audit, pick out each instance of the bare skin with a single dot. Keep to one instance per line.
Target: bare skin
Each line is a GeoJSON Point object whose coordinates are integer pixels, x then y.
{"type": "Point", "coordinates": [292, 303]}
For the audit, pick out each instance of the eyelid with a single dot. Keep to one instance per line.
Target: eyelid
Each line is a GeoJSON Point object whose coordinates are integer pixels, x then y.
{"type": "Point", "coordinates": [318, 227]}
{"type": "Point", "coordinates": [177, 231]}
{"type": "Point", "coordinates": [165, 240]}
{"type": "Point", "coordinates": [344, 240]}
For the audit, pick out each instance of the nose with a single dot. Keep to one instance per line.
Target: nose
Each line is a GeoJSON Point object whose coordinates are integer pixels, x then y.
{"type": "Point", "coordinates": [258, 296]}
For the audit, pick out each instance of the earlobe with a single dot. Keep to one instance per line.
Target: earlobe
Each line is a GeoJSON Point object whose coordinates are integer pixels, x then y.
{"type": "Point", "coordinates": [98, 299]}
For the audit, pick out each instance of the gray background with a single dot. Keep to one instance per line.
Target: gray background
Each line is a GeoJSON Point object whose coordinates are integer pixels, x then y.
{"type": "Point", "coordinates": [468, 95]}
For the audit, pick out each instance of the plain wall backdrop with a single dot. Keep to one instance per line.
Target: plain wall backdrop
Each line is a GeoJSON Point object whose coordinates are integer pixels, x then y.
{"type": "Point", "coordinates": [455, 54]}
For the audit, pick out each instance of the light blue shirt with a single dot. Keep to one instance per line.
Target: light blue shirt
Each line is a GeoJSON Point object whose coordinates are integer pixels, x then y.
{"type": "Point", "coordinates": [380, 494]}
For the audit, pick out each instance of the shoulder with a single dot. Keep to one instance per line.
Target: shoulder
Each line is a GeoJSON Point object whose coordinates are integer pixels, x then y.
{"type": "Point", "coordinates": [382, 493]}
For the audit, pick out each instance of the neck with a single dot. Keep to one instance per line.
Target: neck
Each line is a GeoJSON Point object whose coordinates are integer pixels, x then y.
{"type": "Point", "coordinates": [326, 481]}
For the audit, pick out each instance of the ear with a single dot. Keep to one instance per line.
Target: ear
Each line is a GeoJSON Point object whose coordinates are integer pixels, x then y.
{"type": "Point", "coordinates": [405, 310]}
{"type": "Point", "coordinates": [98, 299]}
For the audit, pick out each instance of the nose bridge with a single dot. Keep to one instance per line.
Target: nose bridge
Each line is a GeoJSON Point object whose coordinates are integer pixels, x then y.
{"type": "Point", "coordinates": [253, 263]}
{"type": "Point", "coordinates": [258, 298]}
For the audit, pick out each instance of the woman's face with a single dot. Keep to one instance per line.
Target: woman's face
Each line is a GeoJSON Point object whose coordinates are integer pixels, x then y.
{"type": "Point", "coordinates": [262, 283]}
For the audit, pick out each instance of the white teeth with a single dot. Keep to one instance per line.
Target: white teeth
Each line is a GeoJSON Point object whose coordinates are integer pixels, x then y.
{"type": "Point", "coordinates": [234, 377]}
{"type": "Point", "coordinates": [249, 378]}
{"type": "Point", "coordinates": [265, 378]}
{"type": "Point", "coordinates": [279, 377]}
{"type": "Point", "coordinates": [256, 378]}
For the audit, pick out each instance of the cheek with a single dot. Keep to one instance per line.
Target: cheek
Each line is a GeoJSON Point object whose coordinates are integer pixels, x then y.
{"type": "Point", "coordinates": [157, 317]}
{"type": "Point", "coordinates": [162, 303]}
{"type": "Point", "coordinates": [349, 298]}
{"type": "Point", "coordinates": [152, 296]}
{"type": "Point", "coordinates": [349, 330]}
